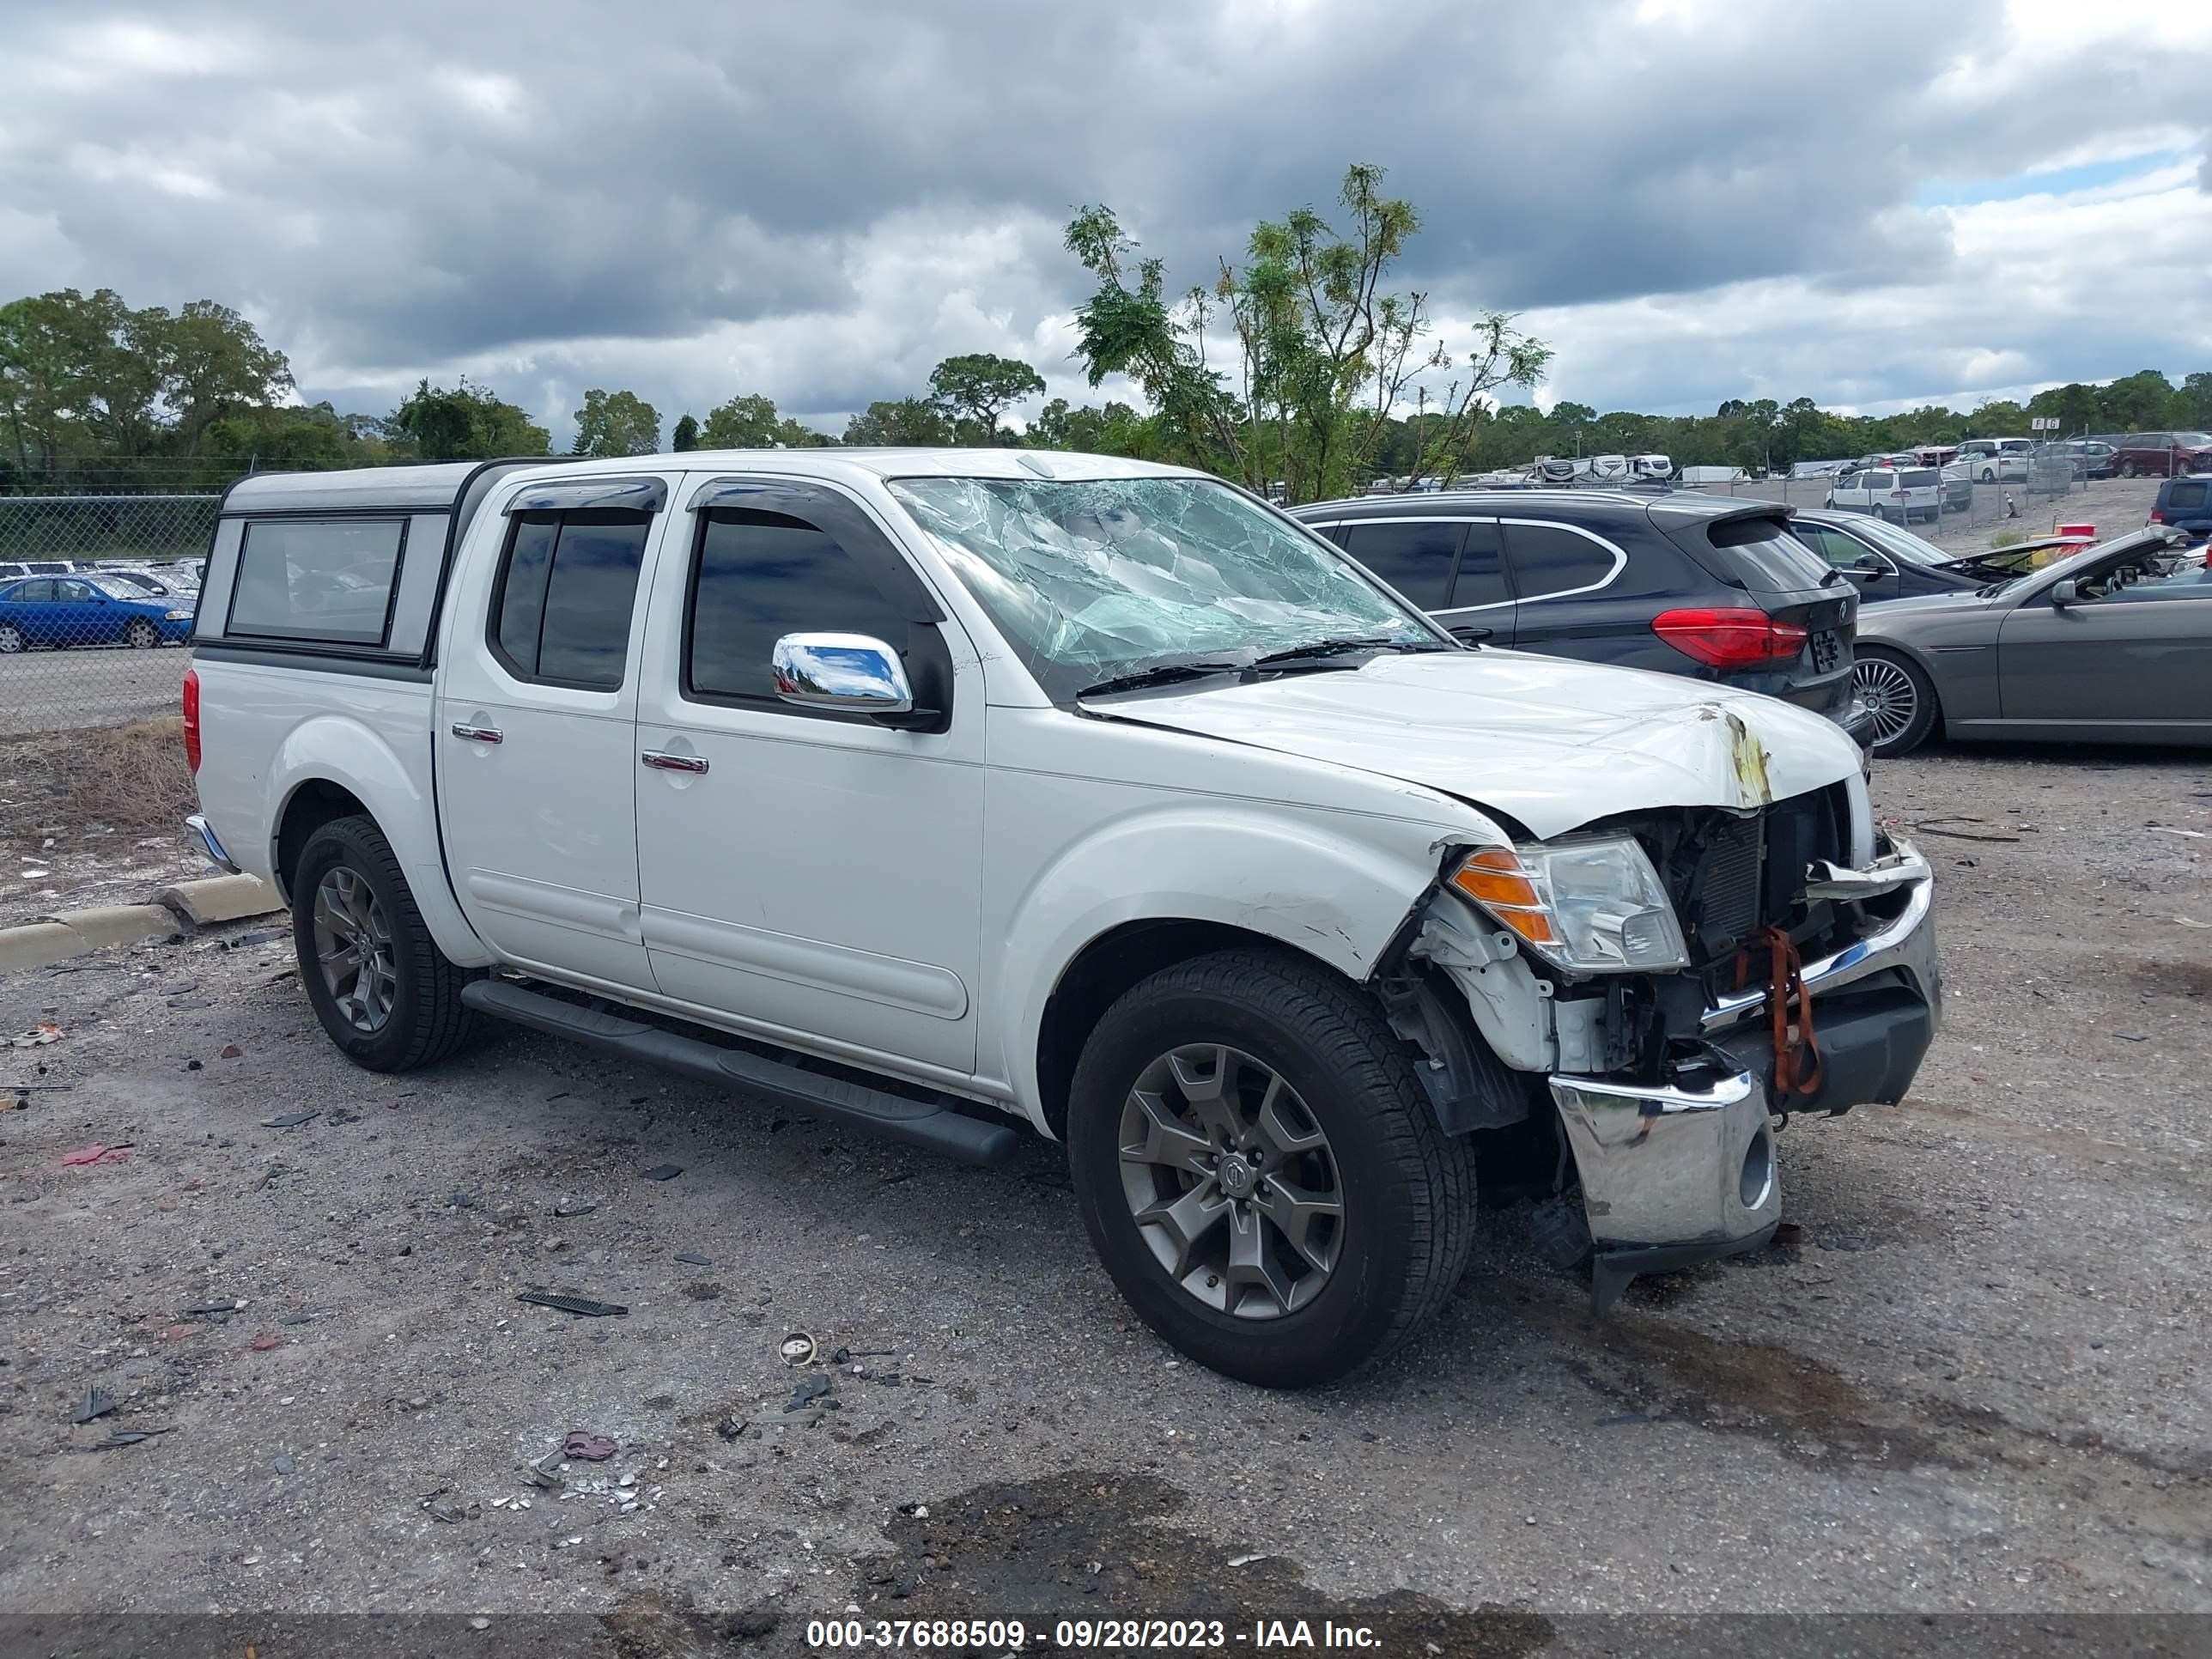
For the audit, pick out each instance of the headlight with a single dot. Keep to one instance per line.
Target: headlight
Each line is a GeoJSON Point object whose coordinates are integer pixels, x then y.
{"type": "Point", "coordinates": [180, 615]}
{"type": "Point", "coordinates": [1593, 906]}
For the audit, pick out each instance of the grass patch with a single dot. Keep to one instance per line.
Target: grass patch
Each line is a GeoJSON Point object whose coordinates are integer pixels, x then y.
{"type": "Point", "coordinates": [2007, 538]}
{"type": "Point", "coordinates": [131, 778]}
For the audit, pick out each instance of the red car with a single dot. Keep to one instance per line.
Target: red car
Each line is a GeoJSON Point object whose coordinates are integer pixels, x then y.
{"type": "Point", "coordinates": [2162, 454]}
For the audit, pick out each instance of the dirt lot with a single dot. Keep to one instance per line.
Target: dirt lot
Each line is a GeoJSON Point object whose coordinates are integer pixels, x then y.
{"type": "Point", "coordinates": [1977, 1383]}
{"type": "Point", "coordinates": [94, 817]}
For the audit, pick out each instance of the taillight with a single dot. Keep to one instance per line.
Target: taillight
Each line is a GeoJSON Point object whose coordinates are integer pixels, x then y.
{"type": "Point", "coordinates": [2157, 515]}
{"type": "Point", "coordinates": [1736, 637]}
{"type": "Point", "coordinates": [192, 718]}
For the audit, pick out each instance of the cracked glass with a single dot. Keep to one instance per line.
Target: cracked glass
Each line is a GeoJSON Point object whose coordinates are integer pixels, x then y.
{"type": "Point", "coordinates": [1097, 579]}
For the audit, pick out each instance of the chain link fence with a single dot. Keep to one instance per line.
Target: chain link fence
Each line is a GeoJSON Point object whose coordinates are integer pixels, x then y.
{"type": "Point", "coordinates": [97, 593]}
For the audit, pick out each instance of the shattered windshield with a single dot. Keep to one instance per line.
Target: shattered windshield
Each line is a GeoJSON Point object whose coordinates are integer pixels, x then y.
{"type": "Point", "coordinates": [1098, 580]}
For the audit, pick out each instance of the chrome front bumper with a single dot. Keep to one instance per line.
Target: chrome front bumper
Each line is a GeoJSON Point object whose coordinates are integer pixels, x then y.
{"type": "Point", "coordinates": [1674, 1173]}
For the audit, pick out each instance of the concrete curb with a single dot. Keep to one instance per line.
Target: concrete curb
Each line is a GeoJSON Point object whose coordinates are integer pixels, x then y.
{"type": "Point", "coordinates": [180, 908]}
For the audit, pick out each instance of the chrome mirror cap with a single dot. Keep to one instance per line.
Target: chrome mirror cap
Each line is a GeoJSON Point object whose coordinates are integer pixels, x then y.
{"type": "Point", "coordinates": [849, 671]}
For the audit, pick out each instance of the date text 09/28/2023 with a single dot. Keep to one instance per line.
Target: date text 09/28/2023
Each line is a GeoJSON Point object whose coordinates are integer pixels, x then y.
{"type": "Point", "coordinates": [1084, 1635]}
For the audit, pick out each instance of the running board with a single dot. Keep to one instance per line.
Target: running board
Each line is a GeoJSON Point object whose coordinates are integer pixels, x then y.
{"type": "Point", "coordinates": [929, 1124]}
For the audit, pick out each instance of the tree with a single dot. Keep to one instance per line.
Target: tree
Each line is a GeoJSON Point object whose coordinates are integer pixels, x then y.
{"type": "Point", "coordinates": [751, 421]}
{"type": "Point", "coordinates": [616, 424]}
{"type": "Point", "coordinates": [979, 387]}
{"type": "Point", "coordinates": [1122, 330]}
{"type": "Point", "coordinates": [686, 435]}
{"type": "Point", "coordinates": [212, 361]}
{"type": "Point", "coordinates": [1116, 430]}
{"type": "Point", "coordinates": [468, 424]}
{"type": "Point", "coordinates": [910, 422]}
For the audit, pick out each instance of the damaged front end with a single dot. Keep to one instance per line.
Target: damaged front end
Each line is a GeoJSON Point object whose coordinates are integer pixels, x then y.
{"type": "Point", "coordinates": [1800, 975]}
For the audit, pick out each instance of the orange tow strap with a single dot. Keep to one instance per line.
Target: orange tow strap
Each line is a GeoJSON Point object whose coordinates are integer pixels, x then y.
{"type": "Point", "coordinates": [1796, 1054]}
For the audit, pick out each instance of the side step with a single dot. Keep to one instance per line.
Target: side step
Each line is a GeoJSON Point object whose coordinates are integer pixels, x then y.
{"type": "Point", "coordinates": [916, 1122]}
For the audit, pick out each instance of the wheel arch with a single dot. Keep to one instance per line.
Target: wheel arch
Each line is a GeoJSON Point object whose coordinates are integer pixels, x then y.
{"type": "Point", "coordinates": [1920, 661]}
{"type": "Point", "coordinates": [333, 767]}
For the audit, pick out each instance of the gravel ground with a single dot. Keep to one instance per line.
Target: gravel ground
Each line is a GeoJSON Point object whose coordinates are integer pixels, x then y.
{"type": "Point", "coordinates": [1976, 1383]}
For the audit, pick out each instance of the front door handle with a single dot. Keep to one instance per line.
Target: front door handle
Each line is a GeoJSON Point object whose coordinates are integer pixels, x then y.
{"type": "Point", "coordinates": [477, 734]}
{"type": "Point", "coordinates": [662, 761]}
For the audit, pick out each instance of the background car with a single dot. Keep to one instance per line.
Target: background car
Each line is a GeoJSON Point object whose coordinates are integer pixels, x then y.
{"type": "Point", "coordinates": [2089, 457]}
{"type": "Point", "coordinates": [2187, 504]}
{"type": "Point", "coordinates": [1883, 560]}
{"type": "Point", "coordinates": [144, 583]}
{"type": "Point", "coordinates": [1706, 586]}
{"type": "Point", "coordinates": [2112, 645]}
{"type": "Point", "coordinates": [1997, 460]}
{"type": "Point", "coordinates": [2162, 454]}
{"type": "Point", "coordinates": [66, 610]}
{"type": "Point", "coordinates": [1888, 491]}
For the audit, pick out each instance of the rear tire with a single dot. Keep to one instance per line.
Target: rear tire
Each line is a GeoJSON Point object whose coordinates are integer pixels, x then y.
{"type": "Point", "coordinates": [1208, 1044]}
{"type": "Point", "coordinates": [386, 995]}
{"type": "Point", "coordinates": [1901, 697]}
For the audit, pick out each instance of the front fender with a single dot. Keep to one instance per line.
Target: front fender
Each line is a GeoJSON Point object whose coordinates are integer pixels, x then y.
{"type": "Point", "coordinates": [1294, 877]}
{"type": "Point", "coordinates": [352, 753]}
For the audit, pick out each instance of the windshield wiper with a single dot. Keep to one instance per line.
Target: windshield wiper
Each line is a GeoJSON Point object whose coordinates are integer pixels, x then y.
{"type": "Point", "coordinates": [1166, 674]}
{"type": "Point", "coordinates": [1339, 646]}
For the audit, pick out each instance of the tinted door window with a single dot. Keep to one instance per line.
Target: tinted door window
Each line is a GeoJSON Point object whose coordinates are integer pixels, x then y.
{"type": "Point", "coordinates": [762, 576]}
{"type": "Point", "coordinates": [1549, 559]}
{"type": "Point", "coordinates": [1482, 569]}
{"type": "Point", "coordinates": [562, 614]}
{"type": "Point", "coordinates": [1416, 559]}
{"type": "Point", "coordinates": [38, 592]}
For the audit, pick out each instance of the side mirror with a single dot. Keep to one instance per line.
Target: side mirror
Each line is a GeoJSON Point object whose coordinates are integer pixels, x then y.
{"type": "Point", "coordinates": [2065, 593]}
{"type": "Point", "coordinates": [1467, 634]}
{"type": "Point", "coordinates": [849, 672]}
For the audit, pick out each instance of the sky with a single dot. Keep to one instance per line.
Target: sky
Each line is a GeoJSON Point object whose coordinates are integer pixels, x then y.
{"type": "Point", "coordinates": [1874, 205]}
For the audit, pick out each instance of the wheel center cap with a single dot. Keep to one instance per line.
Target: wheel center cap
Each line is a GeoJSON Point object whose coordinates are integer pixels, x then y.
{"type": "Point", "coordinates": [1237, 1175]}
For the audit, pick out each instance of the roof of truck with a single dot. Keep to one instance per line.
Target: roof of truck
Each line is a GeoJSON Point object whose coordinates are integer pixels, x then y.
{"type": "Point", "coordinates": [437, 486]}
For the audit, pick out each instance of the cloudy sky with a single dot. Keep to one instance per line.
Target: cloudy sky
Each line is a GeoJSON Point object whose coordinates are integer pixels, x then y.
{"type": "Point", "coordinates": [1871, 204]}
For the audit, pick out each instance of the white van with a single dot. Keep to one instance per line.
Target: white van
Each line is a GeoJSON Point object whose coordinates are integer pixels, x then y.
{"type": "Point", "coordinates": [1900, 494]}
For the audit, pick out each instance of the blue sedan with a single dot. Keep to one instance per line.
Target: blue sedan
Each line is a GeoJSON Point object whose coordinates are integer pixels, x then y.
{"type": "Point", "coordinates": [66, 610]}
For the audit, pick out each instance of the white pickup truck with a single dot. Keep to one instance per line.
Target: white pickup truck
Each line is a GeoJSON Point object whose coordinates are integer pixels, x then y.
{"type": "Point", "coordinates": [941, 790]}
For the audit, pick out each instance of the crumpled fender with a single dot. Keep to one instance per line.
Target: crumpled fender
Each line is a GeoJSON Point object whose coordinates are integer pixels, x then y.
{"type": "Point", "coordinates": [1292, 877]}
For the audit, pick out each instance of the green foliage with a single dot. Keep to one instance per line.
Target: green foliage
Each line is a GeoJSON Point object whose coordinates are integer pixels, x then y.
{"type": "Point", "coordinates": [979, 386]}
{"type": "Point", "coordinates": [686, 435]}
{"type": "Point", "coordinates": [1326, 355]}
{"type": "Point", "coordinates": [616, 424]}
{"type": "Point", "coordinates": [87, 375]}
{"type": "Point", "coordinates": [910, 422]}
{"type": "Point", "coordinates": [468, 424]}
{"type": "Point", "coordinates": [751, 421]}
{"type": "Point", "coordinates": [1116, 430]}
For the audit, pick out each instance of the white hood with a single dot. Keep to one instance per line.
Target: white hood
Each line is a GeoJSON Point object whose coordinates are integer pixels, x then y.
{"type": "Point", "coordinates": [1551, 742]}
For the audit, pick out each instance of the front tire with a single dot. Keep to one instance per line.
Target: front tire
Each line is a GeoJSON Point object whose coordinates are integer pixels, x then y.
{"type": "Point", "coordinates": [385, 994]}
{"type": "Point", "coordinates": [1261, 1172]}
{"type": "Point", "coordinates": [142, 635]}
{"type": "Point", "coordinates": [1900, 700]}
{"type": "Point", "coordinates": [2127, 469]}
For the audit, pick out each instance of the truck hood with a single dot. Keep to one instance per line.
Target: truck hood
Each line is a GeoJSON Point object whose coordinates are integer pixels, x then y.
{"type": "Point", "coordinates": [1552, 744]}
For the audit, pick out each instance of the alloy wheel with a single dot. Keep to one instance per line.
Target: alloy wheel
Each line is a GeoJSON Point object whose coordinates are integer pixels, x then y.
{"type": "Point", "coordinates": [353, 947]}
{"type": "Point", "coordinates": [10, 642]}
{"type": "Point", "coordinates": [1891, 698]}
{"type": "Point", "coordinates": [1231, 1182]}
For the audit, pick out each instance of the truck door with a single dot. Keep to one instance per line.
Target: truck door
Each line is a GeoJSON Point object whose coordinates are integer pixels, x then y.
{"type": "Point", "coordinates": [537, 726]}
{"type": "Point", "coordinates": [806, 870]}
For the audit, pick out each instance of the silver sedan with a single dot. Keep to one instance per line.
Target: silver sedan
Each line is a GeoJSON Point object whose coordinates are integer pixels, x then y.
{"type": "Point", "coordinates": [2112, 645]}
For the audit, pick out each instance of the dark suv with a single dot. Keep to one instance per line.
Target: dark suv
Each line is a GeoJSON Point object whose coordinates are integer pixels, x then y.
{"type": "Point", "coordinates": [1705, 586]}
{"type": "Point", "coordinates": [2186, 502]}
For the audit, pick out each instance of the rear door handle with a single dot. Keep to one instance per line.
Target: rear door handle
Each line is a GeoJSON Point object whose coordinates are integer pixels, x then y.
{"type": "Point", "coordinates": [661, 760]}
{"type": "Point", "coordinates": [477, 734]}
